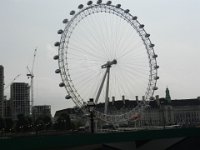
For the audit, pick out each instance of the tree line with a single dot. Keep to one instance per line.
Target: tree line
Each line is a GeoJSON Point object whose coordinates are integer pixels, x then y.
{"type": "Point", "coordinates": [41, 123]}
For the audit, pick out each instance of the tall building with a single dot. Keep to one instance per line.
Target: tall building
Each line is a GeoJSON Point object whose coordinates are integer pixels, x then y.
{"type": "Point", "coordinates": [41, 110]}
{"type": "Point", "coordinates": [7, 108]}
{"type": "Point", "coordinates": [1, 91]}
{"type": "Point", "coordinates": [20, 99]}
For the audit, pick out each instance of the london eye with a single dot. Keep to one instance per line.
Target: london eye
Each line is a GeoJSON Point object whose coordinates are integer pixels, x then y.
{"type": "Point", "coordinates": [105, 53]}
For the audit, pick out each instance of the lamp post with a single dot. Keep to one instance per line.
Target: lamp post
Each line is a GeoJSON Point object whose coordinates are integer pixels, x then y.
{"type": "Point", "coordinates": [91, 106]}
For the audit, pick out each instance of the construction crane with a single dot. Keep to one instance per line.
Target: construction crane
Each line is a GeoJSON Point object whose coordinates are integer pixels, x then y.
{"type": "Point", "coordinates": [30, 75]}
{"type": "Point", "coordinates": [15, 78]}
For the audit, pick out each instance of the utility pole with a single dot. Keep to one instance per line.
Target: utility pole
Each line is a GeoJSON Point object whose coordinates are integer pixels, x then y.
{"type": "Point", "coordinates": [30, 75]}
{"type": "Point", "coordinates": [91, 107]}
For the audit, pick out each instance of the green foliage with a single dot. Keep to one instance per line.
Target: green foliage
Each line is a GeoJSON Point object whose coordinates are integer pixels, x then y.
{"type": "Point", "coordinates": [2, 123]}
{"type": "Point", "coordinates": [63, 122]}
{"type": "Point", "coordinates": [43, 122]}
{"type": "Point", "coordinates": [9, 124]}
{"type": "Point", "coordinates": [24, 123]}
{"type": "Point", "coordinates": [78, 124]}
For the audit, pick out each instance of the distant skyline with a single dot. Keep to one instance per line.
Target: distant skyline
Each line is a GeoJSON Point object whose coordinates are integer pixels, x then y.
{"type": "Point", "coordinates": [27, 24]}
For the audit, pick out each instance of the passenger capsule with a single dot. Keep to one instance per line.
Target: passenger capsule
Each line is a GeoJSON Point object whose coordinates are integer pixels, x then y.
{"type": "Point", "coordinates": [141, 26]}
{"type": "Point", "coordinates": [155, 56]}
{"type": "Point", "coordinates": [127, 11]}
{"type": "Point", "coordinates": [156, 78]}
{"type": "Point", "coordinates": [155, 88]}
{"type": "Point", "coordinates": [80, 6]}
{"type": "Point", "coordinates": [147, 35]}
{"type": "Point", "coordinates": [108, 3]}
{"type": "Point", "coordinates": [156, 67]}
{"type": "Point", "coordinates": [60, 31]}
{"type": "Point", "coordinates": [134, 17]}
{"type": "Point", "coordinates": [56, 57]}
{"type": "Point", "coordinates": [61, 84]}
{"type": "Point", "coordinates": [68, 97]}
{"type": "Point", "coordinates": [72, 12]}
{"type": "Point", "coordinates": [152, 98]}
{"type": "Point", "coordinates": [118, 5]}
{"type": "Point", "coordinates": [57, 44]}
{"type": "Point", "coordinates": [99, 1]}
{"type": "Point", "coordinates": [57, 71]}
{"type": "Point", "coordinates": [89, 3]}
{"type": "Point", "coordinates": [151, 45]}
{"type": "Point", "coordinates": [65, 21]}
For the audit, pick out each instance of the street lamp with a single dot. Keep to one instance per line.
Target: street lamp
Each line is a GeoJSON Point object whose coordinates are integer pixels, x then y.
{"type": "Point", "coordinates": [91, 107]}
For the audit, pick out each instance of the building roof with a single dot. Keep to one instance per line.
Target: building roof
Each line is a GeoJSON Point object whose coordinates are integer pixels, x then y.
{"type": "Point", "coordinates": [181, 102]}
{"type": "Point", "coordinates": [186, 102]}
{"type": "Point", "coordinates": [68, 111]}
{"type": "Point", "coordinates": [120, 104]}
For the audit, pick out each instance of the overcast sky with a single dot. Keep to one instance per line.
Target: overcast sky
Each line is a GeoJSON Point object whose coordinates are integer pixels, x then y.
{"type": "Point", "coordinates": [27, 24]}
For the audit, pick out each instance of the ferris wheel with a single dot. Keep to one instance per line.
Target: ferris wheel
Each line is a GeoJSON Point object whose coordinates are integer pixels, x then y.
{"type": "Point", "coordinates": [106, 54]}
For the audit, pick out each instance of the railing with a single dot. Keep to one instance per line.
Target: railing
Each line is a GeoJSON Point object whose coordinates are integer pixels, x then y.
{"type": "Point", "coordinates": [46, 142]}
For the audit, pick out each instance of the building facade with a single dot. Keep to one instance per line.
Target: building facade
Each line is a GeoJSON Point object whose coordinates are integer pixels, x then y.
{"type": "Point", "coordinates": [1, 91]}
{"type": "Point", "coordinates": [20, 99]}
{"type": "Point", "coordinates": [41, 110]}
{"type": "Point", "coordinates": [182, 112]}
{"type": "Point", "coordinates": [160, 113]}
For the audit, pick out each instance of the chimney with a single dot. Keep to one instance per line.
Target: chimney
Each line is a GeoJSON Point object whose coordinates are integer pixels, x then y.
{"type": "Point", "coordinates": [113, 100]}
{"type": "Point", "coordinates": [123, 99]}
{"type": "Point", "coordinates": [157, 100]}
{"type": "Point", "coordinates": [143, 99]}
{"type": "Point", "coordinates": [136, 98]}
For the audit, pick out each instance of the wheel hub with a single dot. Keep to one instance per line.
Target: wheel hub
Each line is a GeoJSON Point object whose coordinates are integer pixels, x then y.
{"type": "Point", "coordinates": [109, 64]}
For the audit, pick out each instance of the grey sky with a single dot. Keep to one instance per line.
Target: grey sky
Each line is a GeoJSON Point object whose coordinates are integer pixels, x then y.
{"type": "Point", "coordinates": [26, 24]}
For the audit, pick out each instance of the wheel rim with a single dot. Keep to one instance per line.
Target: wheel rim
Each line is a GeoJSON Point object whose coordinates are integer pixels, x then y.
{"type": "Point", "coordinates": [74, 41]}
